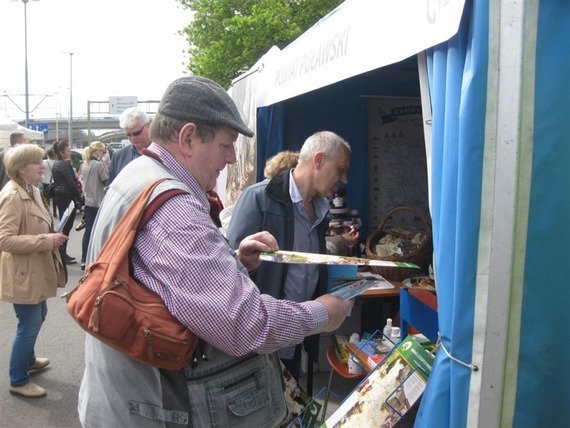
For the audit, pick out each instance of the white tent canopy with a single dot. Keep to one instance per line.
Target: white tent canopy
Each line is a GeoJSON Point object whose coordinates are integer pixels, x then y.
{"type": "Point", "coordinates": [342, 45]}
{"type": "Point", "coordinates": [8, 126]}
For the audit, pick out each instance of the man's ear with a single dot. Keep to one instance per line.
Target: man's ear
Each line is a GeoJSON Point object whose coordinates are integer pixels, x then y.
{"type": "Point", "coordinates": [186, 137]}
{"type": "Point", "coordinates": [319, 160]}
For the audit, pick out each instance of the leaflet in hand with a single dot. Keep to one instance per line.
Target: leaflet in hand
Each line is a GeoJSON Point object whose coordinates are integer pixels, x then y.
{"type": "Point", "coordinates": [351, 289]}
{"type": "Point", "coordinates": [65, 216]}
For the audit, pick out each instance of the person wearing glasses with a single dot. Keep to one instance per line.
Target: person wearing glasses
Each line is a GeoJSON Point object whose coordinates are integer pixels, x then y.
{"type": "Point", "coordinates": [136, 125]}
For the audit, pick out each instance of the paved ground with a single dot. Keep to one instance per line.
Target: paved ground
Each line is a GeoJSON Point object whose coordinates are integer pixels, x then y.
{"type": "Point", "coordinates": [62, 341]}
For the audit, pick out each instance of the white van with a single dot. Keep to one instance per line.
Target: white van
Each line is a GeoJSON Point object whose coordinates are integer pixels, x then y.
{"type": "Point", "coordinates": [117, 146]}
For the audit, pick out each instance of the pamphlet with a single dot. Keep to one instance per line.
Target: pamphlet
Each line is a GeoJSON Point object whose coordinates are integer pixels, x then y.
{"type": "Point", "coordinates": [369, 353]}
{"type": "Point", "coordinates": [349, 288]}
{"type": "Point", "coordinates": [389, 391]}
{"type": "Point", "coordinates": [65, 217]}
{"type": "Point", "coordinates": [303, 411]}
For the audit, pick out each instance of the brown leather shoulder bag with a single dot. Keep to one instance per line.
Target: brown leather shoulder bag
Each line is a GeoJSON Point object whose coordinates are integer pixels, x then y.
{"type": "Point", "coordinates": [111, 305]}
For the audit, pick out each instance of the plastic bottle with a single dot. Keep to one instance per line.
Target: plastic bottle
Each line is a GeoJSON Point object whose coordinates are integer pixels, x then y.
{"type": "Point", "coordinates": [395, 336]}
{"type": "Point", "coordinates": [353, 367]}
{"type": "Point", "coordinates": [387, 332]}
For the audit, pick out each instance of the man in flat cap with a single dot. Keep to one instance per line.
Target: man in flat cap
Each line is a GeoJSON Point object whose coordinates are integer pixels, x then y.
{"type": "Point", "coordinates": [181, 255]}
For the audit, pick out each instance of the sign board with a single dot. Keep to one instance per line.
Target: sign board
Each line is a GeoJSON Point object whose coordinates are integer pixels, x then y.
{"type": "Point", "coordinates": [119, 104]}
{"type": "Point", "coordinates": [39, 126]}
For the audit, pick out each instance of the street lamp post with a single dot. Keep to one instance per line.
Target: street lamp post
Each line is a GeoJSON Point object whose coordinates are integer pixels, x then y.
{"type": "Point", "coordinates": [26, 59]}
{"type": "Point", "coordinates": [70, 124]}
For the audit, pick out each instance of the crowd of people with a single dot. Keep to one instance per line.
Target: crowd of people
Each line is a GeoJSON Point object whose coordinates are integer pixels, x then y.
{"type": "Point", "coordinates": [247, 314]}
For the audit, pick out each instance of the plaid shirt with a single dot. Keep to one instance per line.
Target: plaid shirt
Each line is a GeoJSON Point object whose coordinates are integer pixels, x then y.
{"type": "Point", "coordinates": [181, 255]}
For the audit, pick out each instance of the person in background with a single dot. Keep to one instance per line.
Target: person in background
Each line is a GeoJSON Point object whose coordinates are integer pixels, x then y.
{"type": "Point", "coordinates": [293, 207]}
{"type": "Point", "coordinates": [66, 190]}
{"type": "Point", "coordinates": [136, 125]}
{"type": "Point", "coordinates": [16, 139]}
{"type": "Point", "coordinates": [286, 160]}
{"type": "Point", "coordinates": [94, 176]}
{"type": "Point", "coordinates": [30, 264]}
{"type": "Point", "coordinates": [181, 255]}
{"type": "Point", "coordinates": [48, 162]}
{"type": "Point", "coordinates": [280, 162]}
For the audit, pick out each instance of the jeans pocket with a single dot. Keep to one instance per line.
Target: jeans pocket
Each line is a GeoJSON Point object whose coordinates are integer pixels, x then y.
{"type": "Point", "coordinates": [249, 394]}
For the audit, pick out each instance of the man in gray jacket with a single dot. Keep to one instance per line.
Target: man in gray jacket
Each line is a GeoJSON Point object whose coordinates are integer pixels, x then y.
{"type": "Point", "coordinates": [293, 207]}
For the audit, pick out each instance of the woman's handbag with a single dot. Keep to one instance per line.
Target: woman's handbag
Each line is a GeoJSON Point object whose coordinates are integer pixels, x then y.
{"type": "Point", "coordinates": [49, 190]}
{"type": "Point", "coordinates": [120, 311]}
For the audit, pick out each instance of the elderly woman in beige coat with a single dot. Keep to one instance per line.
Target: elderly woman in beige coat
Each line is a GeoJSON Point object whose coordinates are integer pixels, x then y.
{"type": "Point", "coordinates": [30, 264]}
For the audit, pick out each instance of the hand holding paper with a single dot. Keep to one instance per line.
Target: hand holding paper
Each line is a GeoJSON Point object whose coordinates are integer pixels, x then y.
{"type": "Point", "coordinates": [65, 217]}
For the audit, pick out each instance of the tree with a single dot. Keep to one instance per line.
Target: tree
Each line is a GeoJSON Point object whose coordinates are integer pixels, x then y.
{"type": "Point", "coordinates": [226, 37]}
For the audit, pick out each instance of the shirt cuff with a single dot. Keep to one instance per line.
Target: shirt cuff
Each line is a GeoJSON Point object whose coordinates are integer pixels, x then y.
{"type": "Point", "coordinates": [320, 315]}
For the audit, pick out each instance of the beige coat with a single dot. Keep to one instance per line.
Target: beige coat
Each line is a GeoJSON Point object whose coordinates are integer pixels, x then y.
{"type": "Point", "coordinates": [30, 268]}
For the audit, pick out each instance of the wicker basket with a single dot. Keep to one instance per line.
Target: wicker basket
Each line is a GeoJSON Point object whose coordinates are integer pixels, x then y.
{"type": "Point", "coordinates": [411, 219]}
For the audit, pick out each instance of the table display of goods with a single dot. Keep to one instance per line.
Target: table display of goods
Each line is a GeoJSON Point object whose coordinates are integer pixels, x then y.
{"type": "Point", "coordinates": [403, 235]}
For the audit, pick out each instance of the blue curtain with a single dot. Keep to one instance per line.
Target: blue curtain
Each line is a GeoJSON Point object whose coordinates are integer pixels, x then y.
{"type": "Point", "coordinates": [457, 72]}
{"type": "Point", "coordinates": [543, 391]}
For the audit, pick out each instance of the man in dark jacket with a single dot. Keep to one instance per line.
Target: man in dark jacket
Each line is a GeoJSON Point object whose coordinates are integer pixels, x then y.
{"type": "Point", "coordinates": [136, 125]}
{"type": "Point", "coordinates": [293, 207]}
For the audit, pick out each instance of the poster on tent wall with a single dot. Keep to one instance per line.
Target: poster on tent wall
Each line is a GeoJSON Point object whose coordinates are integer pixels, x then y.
{"type": "Point", "coordinates": [397, 168]}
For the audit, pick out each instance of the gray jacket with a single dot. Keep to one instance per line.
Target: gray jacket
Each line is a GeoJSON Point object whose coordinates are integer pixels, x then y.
{"type": "Point", "coordinates": [117, 391]}
{"type": "Point", "coordinates": [267, 206]}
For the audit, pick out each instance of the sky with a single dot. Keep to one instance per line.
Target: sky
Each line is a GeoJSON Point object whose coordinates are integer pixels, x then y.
{"type": "Point", "coordinates": [121, 48]}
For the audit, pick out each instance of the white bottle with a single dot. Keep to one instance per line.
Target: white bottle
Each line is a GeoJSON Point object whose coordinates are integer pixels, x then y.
{"type": "Point", "coordinates": [395, 336]}
{"type": "Point", "coordinates": [353, 367]}
{"type": "Point", "coordinates": [387, 332]}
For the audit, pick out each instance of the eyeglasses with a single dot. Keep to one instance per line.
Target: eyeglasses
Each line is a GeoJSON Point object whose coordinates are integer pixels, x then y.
{"type": "Point", "coordinates": [137, 133]}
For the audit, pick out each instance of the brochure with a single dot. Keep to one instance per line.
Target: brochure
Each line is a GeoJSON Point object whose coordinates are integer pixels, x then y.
{"type": "Point", "coordinates": [389, 391]}
{"type": "Point", "coordinates": [65, 217]}
{"type": "Point", "coordinates": [369, 353]}
{"type": "Point", "coordinates": [327, 259]}
{"type": "Point", "coordinates": [349, 288]}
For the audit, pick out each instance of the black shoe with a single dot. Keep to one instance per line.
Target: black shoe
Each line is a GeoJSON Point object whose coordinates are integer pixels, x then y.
{"type": "Point", "coordinates": [70, 260]}
{"type": "Point", "coordinates": [82, 265]}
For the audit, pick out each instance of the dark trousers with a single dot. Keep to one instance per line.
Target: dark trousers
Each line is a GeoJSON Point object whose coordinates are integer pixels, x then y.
{"type": "Point", "coordinates": [89, 215]}
{"type": "Point", "coordinates": [62, 202]}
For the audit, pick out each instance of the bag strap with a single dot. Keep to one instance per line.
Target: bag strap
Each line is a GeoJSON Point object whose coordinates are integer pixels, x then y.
{"type": "Point", "coordinates": [117, 246]}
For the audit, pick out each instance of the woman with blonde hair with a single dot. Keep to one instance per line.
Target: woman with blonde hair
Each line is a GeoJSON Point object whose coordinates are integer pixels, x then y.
{"type": "Point", "coordinates": [31, 268]}
{"type": "Point", "coordinates": [94, 175]}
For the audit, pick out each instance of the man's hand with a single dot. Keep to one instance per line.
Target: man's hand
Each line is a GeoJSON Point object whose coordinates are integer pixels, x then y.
{"type": "Point", "coordinates": [337, 309]}
{"type": "Point", "coordinates": [351, 237]}
{"type": "Point", "coordinates": [251, 246]}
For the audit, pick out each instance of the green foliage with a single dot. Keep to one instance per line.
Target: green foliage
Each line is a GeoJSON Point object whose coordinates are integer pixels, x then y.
{"type": "Point", "coordinates": [226, 37]}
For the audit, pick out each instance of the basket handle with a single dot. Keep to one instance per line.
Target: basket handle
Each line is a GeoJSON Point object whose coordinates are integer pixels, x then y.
{"type": "Point", "coordinates": [403, 208]}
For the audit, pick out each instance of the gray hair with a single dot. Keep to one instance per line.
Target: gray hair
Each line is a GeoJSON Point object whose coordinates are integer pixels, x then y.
{"type": "Point", "coordinates": [20, 156]}
{"type": "Point", "coordinates": [165, 129]}
{"type": "Point", "coordinates": [324, 141]}
{"type": "Point", "coordinates": [131, 117]}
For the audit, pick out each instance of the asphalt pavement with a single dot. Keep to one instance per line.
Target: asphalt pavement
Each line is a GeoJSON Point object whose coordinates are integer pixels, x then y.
{"type": "Point", "coordinates": [60, 340]}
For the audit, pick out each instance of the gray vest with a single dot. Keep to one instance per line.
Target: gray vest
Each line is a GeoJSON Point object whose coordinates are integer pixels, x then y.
{"type": "Point", "coordinates": [222, 391]}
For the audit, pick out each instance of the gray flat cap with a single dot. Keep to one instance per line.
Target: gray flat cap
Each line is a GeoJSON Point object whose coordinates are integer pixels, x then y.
{"type": "Point", "coordinates": [201, 100]}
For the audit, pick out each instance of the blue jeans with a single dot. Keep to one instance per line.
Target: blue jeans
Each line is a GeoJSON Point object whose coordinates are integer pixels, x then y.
{"type": "Point", "coordinates": [30, 320]}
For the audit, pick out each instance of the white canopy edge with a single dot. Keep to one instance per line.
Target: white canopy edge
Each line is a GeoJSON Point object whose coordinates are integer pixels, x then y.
{"type": "Point", "coordinates": [8, 126]}
{"type": "Point", "coordinates": [356, 37]}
